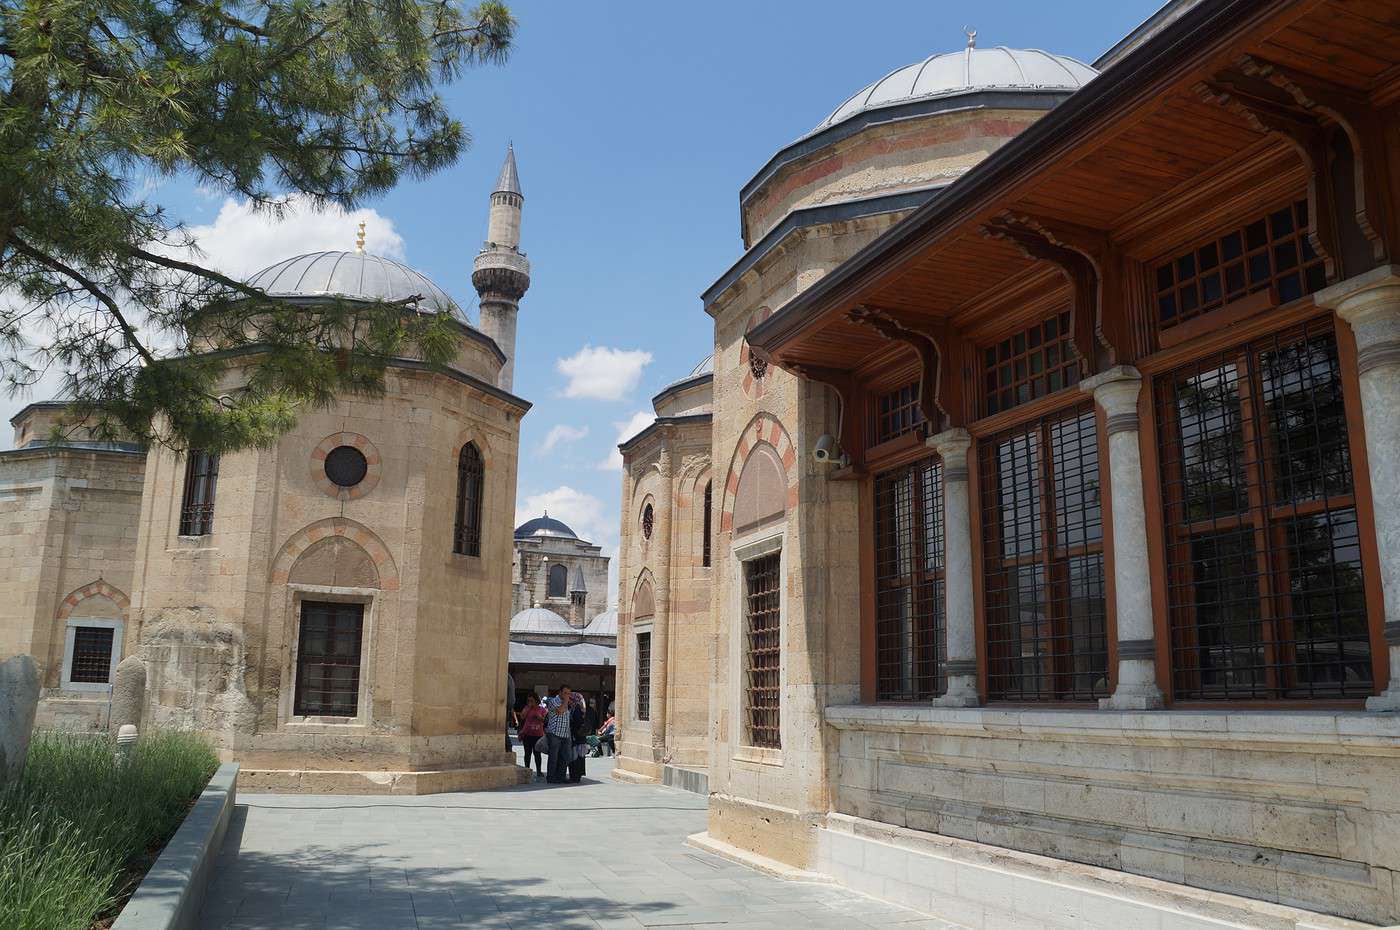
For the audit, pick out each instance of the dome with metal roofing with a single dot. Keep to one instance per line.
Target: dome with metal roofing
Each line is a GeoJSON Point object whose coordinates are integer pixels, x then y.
{"type": "Point", "coordinates": [544, 526]}
{"type": "Point", "coordinates": [356, 275]}
{"type": "Point", "coordinates": [605, 624]}
{"type": "Point", "coordinates": [962, 72]}
{"type": "Point", "coordinates": [539, 620]}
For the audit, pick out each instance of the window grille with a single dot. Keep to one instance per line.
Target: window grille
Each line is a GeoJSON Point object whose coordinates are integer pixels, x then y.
{"type": "Point", "coordinates": [762, 583]}
{"type": "Point", "coordinates": [1264, 576]}
{"type": "Point", "coordinates": [1037, 361]}
{"type": "Point", "coordinates": [197, 506]}
{"type": "Point", "coordinates": [895, 413]}
{"type": "Point", "coordinates": [1043, 567]}
{"type": "Point", "coordinates": [643, 676]}
{"type": "Point", "coordinates": [910, 627]}
{"type": "Point", "coordinates": [705, 544]}
{"type": "Point", "coordinates": [1272, 250]}
{"type": "Point", "coordinates": [328, 659]}
{"type": "Point", "coordinates": [648, 521]}
{"type": "Point", "coordinates": [471, 479]}
{"type": "Point", "coordinates": [92, 655]}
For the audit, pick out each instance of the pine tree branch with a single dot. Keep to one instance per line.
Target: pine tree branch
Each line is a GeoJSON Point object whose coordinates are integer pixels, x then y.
{"type": "Point", "coordinates": [92, 287]}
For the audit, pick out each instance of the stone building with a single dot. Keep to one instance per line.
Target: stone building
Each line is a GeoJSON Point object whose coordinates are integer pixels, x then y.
{"type": "Point", "coordinates": [559, 572]}
{"type": "Point", "coordinates": [331, 611]}
{"type": "Point", "coordinates": [547, 652]}
{"type": "Point", "coordinates": [664, 564]}
{"type": "Point", "coordinates": [1056, 552]}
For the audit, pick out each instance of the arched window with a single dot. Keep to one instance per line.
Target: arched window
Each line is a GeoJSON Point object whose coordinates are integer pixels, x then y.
{"type": "Point", "coordinates": [471, 474]}
{"type": "Point", "coordinates": [558, 580]}
{"type": "Point", "coordinates": [705, 544]}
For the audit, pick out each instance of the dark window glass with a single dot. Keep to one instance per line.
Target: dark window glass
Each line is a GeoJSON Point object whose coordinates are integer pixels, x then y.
{"type": "Point", "coordinates": [762, 697]}
{"type": "Point", "coordinates": [328, 659]}
{"type": "Point", "coordinates": [1264, 566]}
{"type": "Point", "coordinates": [346, 466]}
{"type": "Point", "coordinates": [197, 506]}
{"type": "Point", "coordinates": [1264, 253]}
{"type": "Point", "coordinates": [648, 521]}
{"type": "Point", "coordinates": [1043, 561]}
{"type": "Point", "coordinates": [471, 479]}
{"type": "Point", "coordinates": [909, 583]}
{"type": "Point", "coordinates": [643, 676]}
{"type": "Point", "coordinates": [1037, 361]}
{"type": "Point", "coordinates": [558, 580]}
{"type": "Point", "coordinates": [92, 655]}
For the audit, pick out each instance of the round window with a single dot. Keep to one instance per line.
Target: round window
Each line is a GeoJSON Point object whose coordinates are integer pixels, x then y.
{"type": "Point", "coordinates": [757, 367]}
{"type": "Point", "coordinates": [648, 518]}
{"type": "Point", "coordinates": [346, 466]}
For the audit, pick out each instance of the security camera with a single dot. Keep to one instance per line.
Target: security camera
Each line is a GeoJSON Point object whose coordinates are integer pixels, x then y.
{"type": "Point", "coordinates": [826, 451]}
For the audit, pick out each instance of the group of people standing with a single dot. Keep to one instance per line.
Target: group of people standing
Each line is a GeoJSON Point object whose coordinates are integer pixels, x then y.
{"type": "Point", "coordinates": [568, 728]}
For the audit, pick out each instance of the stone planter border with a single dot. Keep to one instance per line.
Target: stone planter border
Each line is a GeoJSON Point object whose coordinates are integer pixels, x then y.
{"type": "Point", "coordinates": [172, 893]}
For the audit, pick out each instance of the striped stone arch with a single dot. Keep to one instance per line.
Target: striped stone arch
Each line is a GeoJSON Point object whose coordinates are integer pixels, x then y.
{"type": "Point", "coordinates": [763, 428]}
{"type": "Point", "coordinates": [98, 588]}
{"type": "Point", "coordinates": [304, 538]}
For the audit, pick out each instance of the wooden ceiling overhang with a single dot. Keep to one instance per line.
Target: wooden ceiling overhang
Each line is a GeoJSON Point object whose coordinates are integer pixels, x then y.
{"type": "Point", "coordinates": [1235, 103]}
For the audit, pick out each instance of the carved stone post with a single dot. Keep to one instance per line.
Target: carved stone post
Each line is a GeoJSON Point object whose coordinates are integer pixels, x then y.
{"type": "Point", "coordinates": [952, 445]}
{"type": "Point", "coordinates": [661, 619]}
{"type": "Point", "coordinates": [1116, 391]}
{"type": "Point", "coordinates": [1370, 304]}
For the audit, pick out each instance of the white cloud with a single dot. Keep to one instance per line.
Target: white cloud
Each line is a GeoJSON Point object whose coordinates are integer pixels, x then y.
{"type": "Point", "coordinates": [601, 373]}
{"type": "Point", "coordinates": [563, 433]}
{"type": "Point", "coordinates": [626, 429]}
{"type": "Point", "coordinates": [242, 240]}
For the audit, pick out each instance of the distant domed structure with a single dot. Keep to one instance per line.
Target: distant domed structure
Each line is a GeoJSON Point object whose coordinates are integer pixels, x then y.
{"type": "Point", "coordinates": [544, 526]}
{"type": "Point", "coordinates": [356, 275]}
{"type": "Point", "coordinates": [966, 71]}
{"type": "Point", "coordinates": [540, 621]}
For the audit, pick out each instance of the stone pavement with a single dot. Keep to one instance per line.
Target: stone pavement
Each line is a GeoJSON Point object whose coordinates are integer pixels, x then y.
{"type": "Point", "coordinates": [600, 854]}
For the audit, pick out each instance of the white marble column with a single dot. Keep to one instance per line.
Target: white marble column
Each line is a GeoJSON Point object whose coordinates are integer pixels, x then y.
{"type": "Point", "coordinates": [960, 617]}
{"type": "Point", "coordinates": [1116, 392]}
{"type": "Point", "coordinates": [1370, 304]}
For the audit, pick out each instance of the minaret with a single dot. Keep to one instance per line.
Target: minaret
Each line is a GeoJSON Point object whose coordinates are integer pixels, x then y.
{"type": "Point", "coordinates": [501, 273]}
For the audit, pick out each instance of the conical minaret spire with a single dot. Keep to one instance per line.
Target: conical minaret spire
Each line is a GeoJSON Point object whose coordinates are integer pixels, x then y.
{"type": "Point", "coordinates": [501, 273]}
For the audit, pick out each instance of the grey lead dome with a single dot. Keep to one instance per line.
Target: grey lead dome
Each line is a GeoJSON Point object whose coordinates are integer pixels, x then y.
{"type": "Point", "coordinates": [356, 275]}
{"type": "Point", "coordinates": [965, 71]}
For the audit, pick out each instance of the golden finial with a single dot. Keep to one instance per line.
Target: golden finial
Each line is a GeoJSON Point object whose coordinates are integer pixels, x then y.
{"type": "Point", "coordinates": [360, 239]}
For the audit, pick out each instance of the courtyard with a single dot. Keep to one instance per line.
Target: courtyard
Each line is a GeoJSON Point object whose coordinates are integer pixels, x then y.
{"type": "Point", "coordinates": [600, 854]}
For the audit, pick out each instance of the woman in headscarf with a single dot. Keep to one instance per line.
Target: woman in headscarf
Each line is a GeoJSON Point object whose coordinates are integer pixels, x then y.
{"type": "Point", "coordinates": [578, 726]}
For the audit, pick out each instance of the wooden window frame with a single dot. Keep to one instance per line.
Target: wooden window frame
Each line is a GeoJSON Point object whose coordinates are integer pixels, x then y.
{"type": "Point", "coordinates": [1268, 519]}
{"type": "Point", "coordinates": [924, 586]}
{"type": "Point", "coordinates": [562, 590]}
{"type": "Point", "coordinates": [1040, 414]}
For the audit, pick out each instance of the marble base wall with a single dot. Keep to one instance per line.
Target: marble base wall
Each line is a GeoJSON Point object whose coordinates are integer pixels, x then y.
{"type": "Point", "coordinates": [1295, 808]}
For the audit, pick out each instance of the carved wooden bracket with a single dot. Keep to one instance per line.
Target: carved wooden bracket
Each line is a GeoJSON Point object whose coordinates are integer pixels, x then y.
{"type": "Point", "coordinates": [1094, 268]}
{"type": "Point", "coordinates": [937, 381]}
{"type": "Point", "coordinates": [1302, 109]}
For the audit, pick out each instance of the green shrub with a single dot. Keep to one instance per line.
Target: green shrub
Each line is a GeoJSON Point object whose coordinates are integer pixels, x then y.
{"type": "Point", "coordinates": [75, 822]}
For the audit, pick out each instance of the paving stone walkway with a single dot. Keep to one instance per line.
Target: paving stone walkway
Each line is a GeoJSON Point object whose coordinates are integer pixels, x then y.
{"type": "Point", "coordinates": [600, 854]}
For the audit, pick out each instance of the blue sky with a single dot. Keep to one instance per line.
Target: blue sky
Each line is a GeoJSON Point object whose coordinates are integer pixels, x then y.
{"type": "Point", "coordinates": [635, 125]}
